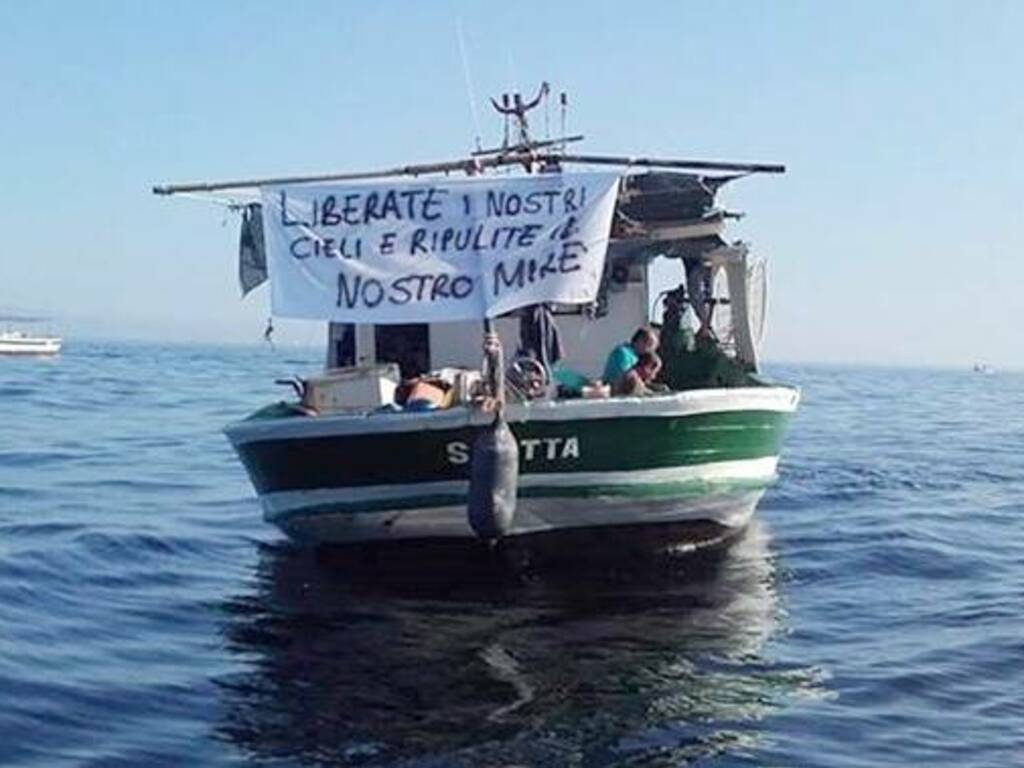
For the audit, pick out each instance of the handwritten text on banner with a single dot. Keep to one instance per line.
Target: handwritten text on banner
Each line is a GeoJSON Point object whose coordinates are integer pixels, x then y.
{"type": "Point", "coordinates": [432, 251]}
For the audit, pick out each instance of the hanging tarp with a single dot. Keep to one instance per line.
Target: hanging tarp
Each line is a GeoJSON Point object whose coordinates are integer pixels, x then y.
{"type": "Point", "coordinates": [252, 257]}
{"type": "Point", "coordinates": [661, 198]}
{"type": "Point", "coordinates": [432, 251]}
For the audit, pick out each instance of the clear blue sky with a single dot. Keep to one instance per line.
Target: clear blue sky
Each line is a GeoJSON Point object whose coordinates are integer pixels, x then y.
{"type": "Point", "coordinates": [897, 236]}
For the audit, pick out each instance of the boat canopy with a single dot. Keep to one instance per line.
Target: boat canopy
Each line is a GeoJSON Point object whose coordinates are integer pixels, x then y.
{"type": "Point", "coordinates": [668, 214]}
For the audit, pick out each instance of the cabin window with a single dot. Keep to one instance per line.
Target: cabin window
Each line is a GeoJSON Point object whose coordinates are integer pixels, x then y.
{"type": "Point", "coordinates": [407, 344]}
{"type": "Point", "coordinates": [343, 340]}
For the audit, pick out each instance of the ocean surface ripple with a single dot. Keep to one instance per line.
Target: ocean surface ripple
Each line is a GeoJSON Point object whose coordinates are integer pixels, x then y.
{"type": "Point", "coordinates": [872, 615]}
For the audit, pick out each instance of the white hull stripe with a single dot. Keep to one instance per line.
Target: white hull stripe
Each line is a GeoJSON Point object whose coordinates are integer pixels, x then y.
{"type": "Point", "coordinates": [27, 348]}
{"type": "Point", "coordinates": [762, 469]}
{"type": "Point", "coordinates": [689, 403]}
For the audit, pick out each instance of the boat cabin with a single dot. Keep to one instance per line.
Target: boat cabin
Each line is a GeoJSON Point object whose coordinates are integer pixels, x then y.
{"type": "Point", "coordinates": [667, 266]}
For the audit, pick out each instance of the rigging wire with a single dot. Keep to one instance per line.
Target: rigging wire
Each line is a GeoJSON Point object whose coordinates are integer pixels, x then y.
{"type": "Point", "coordinates": [469, 84]}
{"type": "Point", "coordinates": [232, 202]}
{"type": "Point", "coordinates": [268, 333]}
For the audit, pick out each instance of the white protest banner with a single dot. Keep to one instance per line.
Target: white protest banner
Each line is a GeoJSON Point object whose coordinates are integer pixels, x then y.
{"type": "Point", "coordinates": [430, 251]}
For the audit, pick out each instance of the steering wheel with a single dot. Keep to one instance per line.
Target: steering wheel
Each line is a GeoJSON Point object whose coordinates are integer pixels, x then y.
{"type": "Point", "coordinates": [528, 378]}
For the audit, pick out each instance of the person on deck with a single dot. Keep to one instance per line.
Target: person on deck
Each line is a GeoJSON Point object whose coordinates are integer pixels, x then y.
{"type": "Point", "coordinates": [625, 356]}
{"type": "Point", "coordinates": [639, 380]}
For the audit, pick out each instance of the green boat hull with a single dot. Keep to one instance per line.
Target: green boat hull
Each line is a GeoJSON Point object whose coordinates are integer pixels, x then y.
{"type": "Point", "coordinates": [702, 457]}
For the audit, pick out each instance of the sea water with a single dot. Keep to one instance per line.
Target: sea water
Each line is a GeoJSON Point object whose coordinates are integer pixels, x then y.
{"type": "Point", "coordinates": [872, 615]}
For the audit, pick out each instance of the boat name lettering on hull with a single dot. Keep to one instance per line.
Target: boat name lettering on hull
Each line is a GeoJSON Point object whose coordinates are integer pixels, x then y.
{"type": "Point", "coordinates": [530, 449]}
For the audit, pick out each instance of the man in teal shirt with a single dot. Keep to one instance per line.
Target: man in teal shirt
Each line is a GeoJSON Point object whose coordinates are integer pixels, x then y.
{"type": "Point", "coordinates": [625, 356]}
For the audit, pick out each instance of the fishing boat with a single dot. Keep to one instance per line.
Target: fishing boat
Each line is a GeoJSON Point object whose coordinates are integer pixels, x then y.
{"type": "Point", "coordinates": [471, 306]}
{"type": "Point", "coordinates": [14, 342]}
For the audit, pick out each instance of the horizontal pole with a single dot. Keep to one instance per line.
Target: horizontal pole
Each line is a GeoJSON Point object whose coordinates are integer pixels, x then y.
{"type": "Point", "coordinates": [695, 165]}
{"type": "Point", "coordinates": [468, 166]}
{"type": "Point", "coordinates": [471, 166]}
{"type": "Point", "coordinates": [524, 148]}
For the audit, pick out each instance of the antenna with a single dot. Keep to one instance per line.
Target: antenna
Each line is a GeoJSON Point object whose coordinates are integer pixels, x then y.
{"type": "Point", "coordinates": [469, 83]}
{"type": "Point", "coordinates": [517, 112]}
{"type": "Point", "coordinates": [547, 115]}
{"type": "Point", "coordinates": [505, 113]}
{"type": "Point", "coordinates": [563, 101]}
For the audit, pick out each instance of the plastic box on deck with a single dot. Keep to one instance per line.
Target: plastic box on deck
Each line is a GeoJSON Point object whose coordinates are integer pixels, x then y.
{"type": "Point", "coordinates": [359, 388]}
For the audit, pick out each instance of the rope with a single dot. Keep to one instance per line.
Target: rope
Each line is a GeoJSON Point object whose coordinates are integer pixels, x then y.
{"type": "Point", "coordinates": [494, 369]}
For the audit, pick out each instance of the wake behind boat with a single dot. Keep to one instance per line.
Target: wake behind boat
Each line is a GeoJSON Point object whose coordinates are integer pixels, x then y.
{"type": "Point", "coordinates": [409, 436]}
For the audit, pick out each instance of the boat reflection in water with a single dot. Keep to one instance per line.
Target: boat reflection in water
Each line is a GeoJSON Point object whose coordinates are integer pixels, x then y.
{"type": "Point", "coordinates": [351, 665]}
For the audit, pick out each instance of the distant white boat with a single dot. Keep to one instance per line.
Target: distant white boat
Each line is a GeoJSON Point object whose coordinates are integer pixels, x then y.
{"type": "Point", "coordinates": [983, 368]}
{"type": "Point", "coordinates": [21, 343]}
